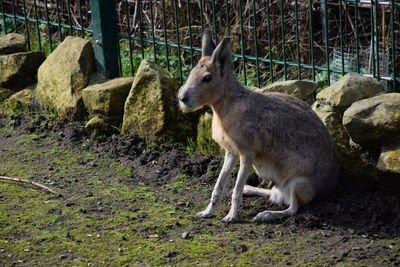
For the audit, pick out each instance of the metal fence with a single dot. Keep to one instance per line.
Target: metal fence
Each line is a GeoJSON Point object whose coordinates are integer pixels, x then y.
{"type": "Point", "coordinates": [272, 39]}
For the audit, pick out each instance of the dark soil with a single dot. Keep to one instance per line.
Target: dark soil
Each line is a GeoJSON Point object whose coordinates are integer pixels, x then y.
{"type": "Point", "coordinates": [351, 225]}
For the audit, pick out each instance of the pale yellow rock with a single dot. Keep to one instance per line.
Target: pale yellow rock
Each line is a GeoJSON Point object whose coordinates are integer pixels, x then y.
{"type": "Point", "coordinates": [20, 69]}
{"type": "Point", "coordinates": [108, 98]}
{"type": "Point", "coordinates": [23, 100]}
{"type": "Point", "coordinates": [389, 160]}
{"type": "Point", "coordinates": [205, 143]}
{"type": "Point", "coordinates": [350, 88]}
{"type": "Point", "coordinates": [63, 76]}
{"type": "Point", "coordinates": [374, 121]}
{"type": "Point", "coordinates": [296, 88]}
{"type": "Point", "coordinates": [12, 43]}
{"type": "Point", "coordinates": [151, 109]}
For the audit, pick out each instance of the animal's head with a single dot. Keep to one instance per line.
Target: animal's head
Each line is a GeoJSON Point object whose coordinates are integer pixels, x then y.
{"type": "Point", "coordinates": [205, 84]}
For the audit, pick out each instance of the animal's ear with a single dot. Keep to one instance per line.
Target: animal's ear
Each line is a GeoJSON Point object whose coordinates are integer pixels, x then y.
{"type": "Point", "coordinates": [222, 56]}
{"type": "Point", "coordinates": [207, 44]}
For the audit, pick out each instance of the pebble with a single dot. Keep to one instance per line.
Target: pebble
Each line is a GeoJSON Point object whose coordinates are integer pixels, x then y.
{"type": "Point", "coordinates": [170, 254]}
{"type": "Point", "coordinates": [120, 249]}
{"type": "Point", "coordinates": [185, 235]}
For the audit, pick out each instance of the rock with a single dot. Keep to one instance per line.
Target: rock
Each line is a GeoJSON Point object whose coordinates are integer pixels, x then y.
{"type": "Point", "coordinates": [205, 143]}
{"type": "Point", "coordinates": [151, 109]}
{"type": "Point", "coordinates": [300, 89]}
{"type": "Point", "coordinates": [185, 235]}
{"type": "Point", "coordinates": [108, 98]}
{"type": "Point", "coordinates": [23, 100]}
{"type": "Point", "coordinates": [350, 88]}
{"type": "Point", "coordinates": [20, 69]}
{"type": "Point", "coordinates": [96, 122]}
{"type": "Point", "coordinates": [333, 121]}
{"type": "Point", "coordinates": [374, 121]}
{"type": "Point", "coordinates": [12, 43]}
{"type": "Point", "coordinates": [358, 166]}
{"type": "Point", "coordinates": [389, 160]}
{"type": "Point", "coordinates": [63, 76]}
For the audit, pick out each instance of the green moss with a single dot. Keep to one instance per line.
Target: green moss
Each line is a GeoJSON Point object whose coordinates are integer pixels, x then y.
{"type": "Point", "coordinates": [15, 106]}
{"type": "Point", "coordinates": [106, 218]}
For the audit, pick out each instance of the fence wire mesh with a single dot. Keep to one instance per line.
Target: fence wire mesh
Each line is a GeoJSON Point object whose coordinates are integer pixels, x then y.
{"type": "Point", "coordinates": [271, 39]}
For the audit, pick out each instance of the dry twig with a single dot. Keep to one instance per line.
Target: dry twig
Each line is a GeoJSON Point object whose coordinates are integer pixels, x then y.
{"type": "Point", "coordinates": [5, 178]}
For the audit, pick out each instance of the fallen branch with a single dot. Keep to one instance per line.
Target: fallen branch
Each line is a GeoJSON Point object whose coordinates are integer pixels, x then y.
{"type": "Point", "coordinates": [29, 182]}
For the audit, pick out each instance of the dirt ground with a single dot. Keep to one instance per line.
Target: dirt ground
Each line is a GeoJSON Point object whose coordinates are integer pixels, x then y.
{"type": "Point", "coordinates": [127, 202]}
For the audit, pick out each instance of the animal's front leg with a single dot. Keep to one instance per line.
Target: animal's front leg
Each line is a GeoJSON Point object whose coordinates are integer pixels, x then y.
{"type": "Point", "coordinates": [245, 165]}
{"type": "Point", "coordinates": [219, 187]}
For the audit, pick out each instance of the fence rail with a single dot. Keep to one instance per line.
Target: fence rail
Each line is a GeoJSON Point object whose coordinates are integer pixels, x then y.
{"type": "Point", "coordinates": [272, 39]}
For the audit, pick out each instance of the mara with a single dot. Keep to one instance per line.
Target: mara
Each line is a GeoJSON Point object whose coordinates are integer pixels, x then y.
{"type": "Point", "coordinates": [276, 134]}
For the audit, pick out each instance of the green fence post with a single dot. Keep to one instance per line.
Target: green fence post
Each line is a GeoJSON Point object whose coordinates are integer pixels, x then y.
{"type": "Point", "coordinates": [105, 34]}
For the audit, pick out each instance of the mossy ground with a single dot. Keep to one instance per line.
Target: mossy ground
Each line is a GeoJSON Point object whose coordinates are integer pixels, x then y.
{"type": "Point", "coordinates": [107, 217]}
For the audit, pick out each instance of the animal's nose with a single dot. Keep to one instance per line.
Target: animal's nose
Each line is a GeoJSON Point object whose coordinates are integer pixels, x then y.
{"type": "Point", "coordinates": [183, 98]}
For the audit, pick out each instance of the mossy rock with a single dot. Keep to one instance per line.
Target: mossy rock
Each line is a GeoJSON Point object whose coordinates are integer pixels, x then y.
{"type": "Point", "coordinates": [20, 69]}
{"type": "Point", "coordinates": [374, 121]}
{"type": "Point", "coordinates": [151, 109]}
{"type": "Point", "coordinates": [350, 88]}
{"type": "Point", "coordinates": [108, 98]}
{"type": "Point", "coordinates": [300, 89]}
{"type": "Point", "coordinates": [23, 101]}
{"type": "Point", "coordinates": [12, 43]}
{"type": "Point", "coordinates": [63, 76]}
{"type": "Point", "coordinates": [205, 142]}
{"type": "Point", "coordinates": [389, 160]}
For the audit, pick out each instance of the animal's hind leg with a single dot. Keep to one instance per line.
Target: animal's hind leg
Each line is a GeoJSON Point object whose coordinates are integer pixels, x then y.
{"type": "Point", "coordinates": [299, 192]}
{"type": "Point", "coordinates": [274, 195]}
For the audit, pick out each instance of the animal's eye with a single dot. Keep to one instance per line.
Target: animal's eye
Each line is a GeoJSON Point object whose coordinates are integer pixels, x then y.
{"type": "Point", "coordinates": [207, 78]}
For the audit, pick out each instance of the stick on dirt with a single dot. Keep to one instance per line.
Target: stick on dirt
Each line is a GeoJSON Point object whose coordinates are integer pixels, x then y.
{"type": "Point", "coordinates": [5, 178]}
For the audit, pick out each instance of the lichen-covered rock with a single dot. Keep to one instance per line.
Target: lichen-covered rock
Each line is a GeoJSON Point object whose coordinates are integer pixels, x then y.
{"type": "Point", "coordinates": [63, 76]}
{"type": "Point", "coordinates": [333, 121]}
{"type": "Point", "coordinates": [97, 122]}
{"type": "Point", "coordinates": [20, 69]}
{"type": "Point", "coordinates": [350, 88]}
{"type": "Point", "coordinates": [300, 89]}
{"type": "Point", "coordinates": [108, 98]}
{"type": "Point", "coordinates": [205, 143]}
{"type": "Point", "coordinates": [389, 161]}
{"type": "Point", "coordinates": [23, 100]}
{"type": "Point", "coordinates": [151, 109]}
{"type": "Point", "coordinates": [12, 43]}
{"type": "Point", "coordinates": [374, 121]}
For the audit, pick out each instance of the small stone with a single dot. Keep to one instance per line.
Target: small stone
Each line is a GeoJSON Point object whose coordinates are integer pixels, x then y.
{"type": "Point", "coordinates": [185, 235]}
{"type": "Point", "coordinates": [26, 250]}
{"type": "Point", "coordinates": [350, 230]}
{"type": "Point", "coordinates": [243, 248]}
{"type": "Point", "coordinates": [170, 254]}
{"type": "Point", "coordinates": [120, 250]}
{"type": "Point", "coordinates": [63, 256]}
{"type": "Point", "coordinates": [7, 135]}
{"type": "Point", "coordinates": [286, 252]}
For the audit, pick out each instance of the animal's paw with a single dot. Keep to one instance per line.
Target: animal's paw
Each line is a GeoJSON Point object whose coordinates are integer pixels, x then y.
{"type": "Point", "coordinates": [204, 214]}
{"type": "Point", "coordinates": [229, 218]}
{"type": "Point", "coordinates": [267, 216]}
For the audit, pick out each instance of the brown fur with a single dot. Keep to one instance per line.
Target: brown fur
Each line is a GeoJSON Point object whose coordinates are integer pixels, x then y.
{"type": "Point", "coordinates": [279, 135]}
